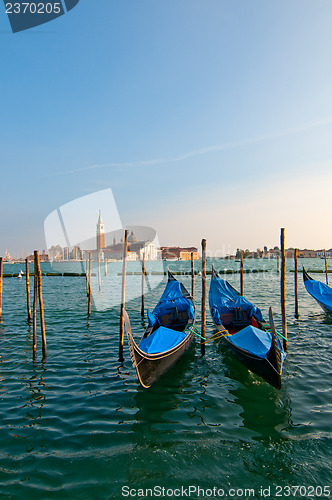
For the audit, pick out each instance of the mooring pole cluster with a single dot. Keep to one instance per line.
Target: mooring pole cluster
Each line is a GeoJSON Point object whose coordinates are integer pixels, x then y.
{"type": "Point", "coordinates": [38, 293]}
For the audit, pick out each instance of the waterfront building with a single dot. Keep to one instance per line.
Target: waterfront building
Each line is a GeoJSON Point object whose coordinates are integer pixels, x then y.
{"type": "Point", "coordinates": [65, 253]}
{"type": "Point", "coordinates": [7, 257]}
{"type": "Point", "coordinates": [320, 253]}
{"type": "Point", "coordinates": [178, 253]}
{"type": "Point", "coordinates": [307, 253]}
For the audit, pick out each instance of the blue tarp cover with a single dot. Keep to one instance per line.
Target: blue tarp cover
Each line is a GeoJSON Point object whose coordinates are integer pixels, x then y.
{"type": "Point", "coordinates": [252, 339]}
{"type": "Point", "coordinates": [152, 319]}
{"type": "Point", "coordinates": [320, 292]}
{"type": "Point", "coordinates": [223, 299]}
{"type": "Point", "coordinates": [171, 299]}
{"type": "Point", "coordinates": [161, 340]}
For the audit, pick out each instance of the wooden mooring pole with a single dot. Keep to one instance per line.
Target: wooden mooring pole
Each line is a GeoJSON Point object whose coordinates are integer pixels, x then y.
{"type": "Point", "coordinates": [192, 275]}
{"type": "Point", "coordinates": [41, 304]}
{"type": "Point", "coordinates": [89, 286]}
{"type": "Point", "coordinates": [241, 275]}
{"type": "Point", "coordinates": [34, 312]}
{"type": "Point", "coordinates": [123, 295]}
{"type": "Point", "coordinates": [282, 287]}
{"type": "Point", "coordinates": [296, 284]}
{"type": "Point", "coordinates": [326, 271]}
{"type": "Point", "coordinates": [143, 280]}
{"type": "Point", "coordinates": [203, 313]}
{"type": "Point", "coordinates": [1, 280]}
{"type": "Point", "coordinates": [87, 277]}
{"type": "Point", "coordinates": [27, 282]}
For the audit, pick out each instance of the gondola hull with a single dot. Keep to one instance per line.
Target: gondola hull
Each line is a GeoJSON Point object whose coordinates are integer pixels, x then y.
{"type": "Point", "coordinates": [150, 367]}
{"type": "Point", "coordinates": [168, 336]}
{"type": "Point", "coordinates": [262, 367]}
{"type": "Point", "coordinates": [267, 365]}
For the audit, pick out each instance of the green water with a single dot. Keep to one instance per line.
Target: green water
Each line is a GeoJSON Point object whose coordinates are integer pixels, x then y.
{"type": "Point", "coordinates": [79, 426]}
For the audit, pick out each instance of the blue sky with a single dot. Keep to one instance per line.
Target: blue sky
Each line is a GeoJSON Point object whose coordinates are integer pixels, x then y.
{"type": "Point", "coordinates": [207, 118]}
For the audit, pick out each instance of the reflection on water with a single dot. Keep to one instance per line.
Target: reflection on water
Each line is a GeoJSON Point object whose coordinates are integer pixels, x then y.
{"type": "Point", "coordinates": [264, 410]}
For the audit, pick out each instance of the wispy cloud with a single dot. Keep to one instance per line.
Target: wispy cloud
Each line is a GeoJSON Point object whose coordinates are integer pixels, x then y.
{"type": "Point", "coordinates": [208, 149]}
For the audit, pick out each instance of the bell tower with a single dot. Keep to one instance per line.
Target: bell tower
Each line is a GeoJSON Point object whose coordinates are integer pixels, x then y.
{"type": "Point", "coordinates": [100, 233]}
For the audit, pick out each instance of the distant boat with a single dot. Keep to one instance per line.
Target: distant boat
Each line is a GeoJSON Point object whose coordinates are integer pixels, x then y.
{"type": "Point", "coordinates": [20, 274]}
{"type": "Point", "coordinates": [249, 338]}
{"type": "Point", "coordinates": [319, 291]}
{"type": "Point", "coordinates": [168, 335]}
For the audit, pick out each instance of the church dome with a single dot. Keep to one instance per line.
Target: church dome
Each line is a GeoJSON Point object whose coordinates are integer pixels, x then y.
{"type": "Point", "coordinates": [132, 238]}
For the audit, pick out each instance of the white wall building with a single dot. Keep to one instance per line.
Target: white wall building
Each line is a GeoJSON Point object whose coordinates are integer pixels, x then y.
{"type": "Point", "coordinates": [150, 252]}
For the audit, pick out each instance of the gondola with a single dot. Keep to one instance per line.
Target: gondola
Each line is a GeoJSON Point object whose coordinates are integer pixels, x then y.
{"type": "Point", "coordinates": [253, 341]}
{"type": "Point", "coordinates": [168, 335]}
{"type": "Point", "coordinates": [319, 291]}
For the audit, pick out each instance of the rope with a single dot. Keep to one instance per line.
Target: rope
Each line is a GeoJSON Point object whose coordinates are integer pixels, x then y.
{"type": "Point", "coordinates": [280, 334]}
{"type": "Point", "coordinates": [198, 334]}
{"type": "Point", "coordinates": [213, 337]}
{"type": "Point", "coordinates": [272, 366]}
{"type": "Point", "coordinates": [140, 361]}
{"type": "Point", "coordinates": [209, 339]}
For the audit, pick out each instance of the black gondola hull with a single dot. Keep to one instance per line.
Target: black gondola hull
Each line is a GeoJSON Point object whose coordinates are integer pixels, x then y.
{"type": "Point", "coordinates": [150, 368]}
{"type": "Point", "coordinates": [260, 366]}
{"type": "Point", "coordinates": [268, 367]}
{"type": "Point", "coordinates": [263, 367]}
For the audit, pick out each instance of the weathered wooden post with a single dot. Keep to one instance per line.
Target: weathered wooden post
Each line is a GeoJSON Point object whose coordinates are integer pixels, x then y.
{"type": "Point", "coordinates": [87, 277]}
{"type": "Point", "coordinates": [89, 282]}
{"type": "Point", "coordinates": [41, 305]}
{"type": "Point", "coordinates": [34, 311]}
{"type": "Point", "coordinates": [296, 284]}
{"type": "Point", "coordinates": [241, 275]}
{"type": "Point", "coordinates": [192, 275]}
{"type": "Point", "coordinates": [143, 279]}
{"type": "Point", "coordinates": [203, 313]}
{"type": "Point", "coordinates": [282, 287]}
{"type": "Point", "coordinates": [326, 271]}
{"type": "Point", "coordinates": [27, 281]}
{"type": "Point", "coordinates": [123, 295]}
{"type": "Point", "coordinates": [1, 279]}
